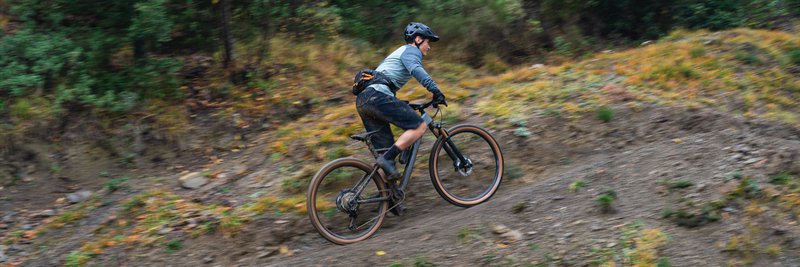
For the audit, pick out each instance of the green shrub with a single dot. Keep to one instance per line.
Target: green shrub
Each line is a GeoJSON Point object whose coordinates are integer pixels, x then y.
{"type": "Point", "coordinates": [77, 259]}
{"type": "Point", "coordinates": [697, 52]}
{"type": "Point", "coordinates": [174, 245]}
{"type": "Point", "coordinates": [606, 199]}
{"type": "Point", "coordinates": [577, 185]}
{"type": "Point", "coordinates": [605, 114]}
{"type": "Point", "coordinates": [680, 184]}
{"type": "Point", "coordinates": [781, 178]}
{"type": "Point", "coordinates": [116, 183]}
{"type": "Point", "coordinates": [794, 56]}
{"type": "Point", "coordinates": [747, 58]}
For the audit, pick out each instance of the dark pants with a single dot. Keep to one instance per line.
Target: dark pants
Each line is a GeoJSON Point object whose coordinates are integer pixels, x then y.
{"type": "Point", "coordinates": [378, 110]}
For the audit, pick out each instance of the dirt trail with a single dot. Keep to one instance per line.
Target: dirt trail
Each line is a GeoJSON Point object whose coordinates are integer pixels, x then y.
{"type": "Point", "coordinates": [637, 155]}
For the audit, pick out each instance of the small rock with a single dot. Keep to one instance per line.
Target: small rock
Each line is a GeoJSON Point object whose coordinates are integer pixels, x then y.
{"type": "Point", "coordinates": [499, 229]}
{"type": "Point", "coordinates": [537, 66]}
{"type": "Point", "coordinates": [532, 233]}
{"type": "Point", "coordinates": [729, 209]}
{"type": "Point", "coordinates": [752, 160]}
{"type": "Point", "coordinates": [164, 231]}
{"type": "Point", "coordinates": [268, 252]}
{"type": "Point", "coordinates": [556, 198]}
{"type": "Point", "coordinates": [193, 180]}
{"type": "Point", "coordinates": [9, 218]}
{"type": "Point", "coordinates": [208, 259]}
{"type": "Point", "coordinates": [3, 258]}
{"type": "Point", "coordinates": [596, 227]}
{"type": "Point", "coordinates": [778, 231]}
{"type": "Point", "coordinates": [795, 244]}
{"type": "Point", "coordinates": [701, 187]}
{"type": "Point", "coordinates": [26, 227]}
{"type": "Point", "coordinates": [239, 170]}
{"type": "Point", "coordinates": [281, 222]}
{"type": "Point", "coordinates": [568, 235]}
{"type": "Point", "coordinates": [79, 196]}
{"type": "Point", "coordinates": [426, 237]}
{"type": "Point", "coordinates": [46, 213]}
{"type": "Point", "coordinates": [513, 235]}
{"type": "Point", "coordinates": [660, 120]}
{"type": "Point", "coordinates": [648, 42]}
{"type": "Point", "coordinates": [611, 245]}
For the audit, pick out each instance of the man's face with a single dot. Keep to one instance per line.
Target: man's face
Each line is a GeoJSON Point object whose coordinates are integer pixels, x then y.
{"type": "Point", "coordinates": [425, 46]}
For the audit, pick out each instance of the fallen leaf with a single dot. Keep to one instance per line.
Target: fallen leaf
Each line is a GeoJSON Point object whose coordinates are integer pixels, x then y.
{"type": "Point", "coordinates": [132, 238]}
{"type": "Point", "coordinates": [284, 249]}
{"type": "Point", "coordinates": [380, 252]}
{"type": "Point", "coordinates": [30, 234]}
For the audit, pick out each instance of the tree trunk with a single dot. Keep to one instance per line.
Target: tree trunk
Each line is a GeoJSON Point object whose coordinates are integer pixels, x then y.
{"type": "Point", "coordinates": [225, 32]}
{"type": "Point", "coordinates": [265, 34]}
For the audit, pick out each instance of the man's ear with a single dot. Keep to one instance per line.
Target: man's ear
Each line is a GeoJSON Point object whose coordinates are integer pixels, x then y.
{"type": "Point", "coordinates": [418, 39]}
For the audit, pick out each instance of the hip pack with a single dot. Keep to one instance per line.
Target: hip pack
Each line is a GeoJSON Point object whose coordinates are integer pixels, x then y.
{"type": "Point", "coordinates": [365, 78]}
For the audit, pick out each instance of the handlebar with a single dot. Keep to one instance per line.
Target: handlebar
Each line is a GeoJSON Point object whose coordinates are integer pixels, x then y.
{"type": "Point", "coordinates": [423, 106]}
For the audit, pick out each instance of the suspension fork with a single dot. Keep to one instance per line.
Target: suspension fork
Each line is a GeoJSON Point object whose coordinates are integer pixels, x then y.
{"type": "Point", "coordinates": [448, 145]}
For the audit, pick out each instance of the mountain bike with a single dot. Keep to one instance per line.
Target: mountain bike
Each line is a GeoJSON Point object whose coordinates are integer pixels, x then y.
{"type": "Point", "coordinates": [348, 198]}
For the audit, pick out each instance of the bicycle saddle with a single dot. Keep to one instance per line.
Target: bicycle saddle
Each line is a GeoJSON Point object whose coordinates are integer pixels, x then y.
{"type": "Point", "coordinates": [363, 136]}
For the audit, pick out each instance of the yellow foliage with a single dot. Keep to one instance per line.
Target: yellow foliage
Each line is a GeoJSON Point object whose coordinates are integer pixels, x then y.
{"type": "Point", "coordinates": [646, 246]}
{"type": "Point", "coordinates": [670, 71]}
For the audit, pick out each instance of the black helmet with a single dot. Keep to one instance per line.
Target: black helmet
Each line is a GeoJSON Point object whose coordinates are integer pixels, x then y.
{"type": "Point", "coordinates": [415, 28]}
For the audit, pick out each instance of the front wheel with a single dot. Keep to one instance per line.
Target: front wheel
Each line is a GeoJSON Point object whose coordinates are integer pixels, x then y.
{"type": "Point", "coordinates": [344, 203]}
{"type": "Point", "coordinates": [466, 167]}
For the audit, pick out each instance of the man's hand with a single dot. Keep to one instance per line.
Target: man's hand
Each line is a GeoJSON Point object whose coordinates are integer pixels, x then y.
{"type": "Point", "coordinates": [438, 98]}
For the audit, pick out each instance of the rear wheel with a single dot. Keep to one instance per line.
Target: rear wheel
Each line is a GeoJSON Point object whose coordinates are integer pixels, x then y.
{"type": "Point", "coordinates": [335, 207]}
{"type": "Point", "coordinates": [474, 179]}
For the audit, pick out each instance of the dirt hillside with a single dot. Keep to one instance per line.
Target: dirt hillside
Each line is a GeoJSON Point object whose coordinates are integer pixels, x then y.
{"type": "Point", "coordinates": [660, 162]}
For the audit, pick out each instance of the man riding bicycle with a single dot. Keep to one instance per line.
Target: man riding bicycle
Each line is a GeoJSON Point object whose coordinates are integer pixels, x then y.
{"type": "Point", "coordinates": [378, 106]}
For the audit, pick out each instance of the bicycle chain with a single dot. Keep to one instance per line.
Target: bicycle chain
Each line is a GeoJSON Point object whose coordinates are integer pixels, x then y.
{"type": "Point", "coordinates": [385, 211]}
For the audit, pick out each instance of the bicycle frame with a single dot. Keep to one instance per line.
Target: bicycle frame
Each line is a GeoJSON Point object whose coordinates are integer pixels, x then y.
{"type": "Point", "coordinates": [438, 131]}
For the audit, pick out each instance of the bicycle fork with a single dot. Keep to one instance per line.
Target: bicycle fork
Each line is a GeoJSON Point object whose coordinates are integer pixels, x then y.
{"type": "Point", "coordinates": [462, 164]}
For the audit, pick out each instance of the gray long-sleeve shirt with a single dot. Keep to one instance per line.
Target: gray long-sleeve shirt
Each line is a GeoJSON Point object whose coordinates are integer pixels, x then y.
{"type": "Point", "coordinates": [400, 66]}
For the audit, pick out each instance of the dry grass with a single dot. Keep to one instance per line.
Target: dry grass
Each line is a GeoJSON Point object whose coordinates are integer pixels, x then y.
{"type": "Point", "coordinates": [686, 68]}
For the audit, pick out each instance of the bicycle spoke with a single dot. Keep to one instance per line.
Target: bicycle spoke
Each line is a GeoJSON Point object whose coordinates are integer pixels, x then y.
{"type": "Point", "coordinates": [466, 167]}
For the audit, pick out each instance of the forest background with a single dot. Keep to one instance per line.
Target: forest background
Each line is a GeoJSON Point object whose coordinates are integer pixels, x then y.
{"type": "Point", "coordinates": [117, 57]}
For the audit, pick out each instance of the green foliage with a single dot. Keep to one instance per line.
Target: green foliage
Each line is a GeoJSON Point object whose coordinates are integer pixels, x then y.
{"type": "Point", "coordinates": [513, 172]}
{"type": "Point", "coordinates": [77, 259]}
{"type": "Point", "coordinates": [519, 207]}
{"type": "Point", "coordinates": [606, 199]}
{"type": "Point", "coordinates": [697, 52]}
{"type": "Point", "coordinates": [748, 58]}
{"type": "Point", "coordinates": [605, 114]}
{"type": "Point", "coordinates": [782, 178]}
{"type": "Point", "coordinates": [680, 184]}
{"type": "Point", "coordinates": [577, 185]}
{"type": "Point", "coordinates": [116, 183]}
{"type": "Point", "coordinates": [423, 262]}
{"type": "Point", "coordinates": [174, 245]}
{"type": "Point", "coordinates": [794, 56]}
{"type": "Point", "coordinates": [750, 188]}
